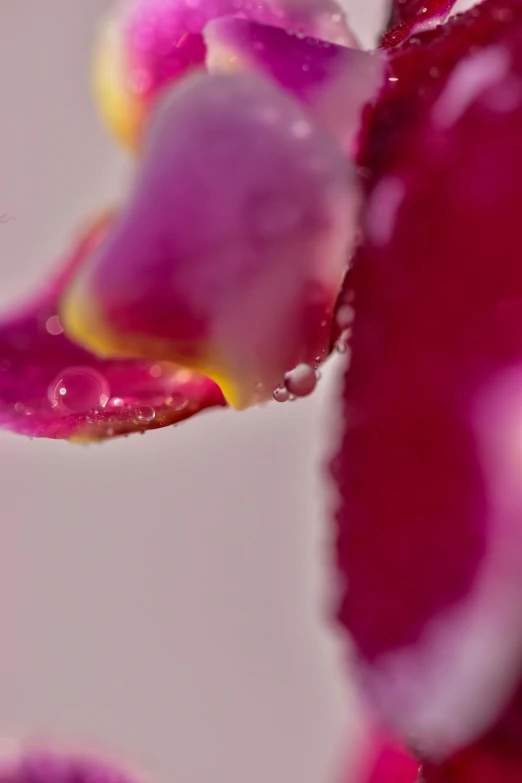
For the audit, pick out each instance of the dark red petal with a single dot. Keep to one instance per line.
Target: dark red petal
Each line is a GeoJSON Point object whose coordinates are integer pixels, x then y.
{"type": "Point", "coordinates": [413, 16]}
{"type": "Point", "coordinates": [429, 534]}
{"type": "Point", "coordinates": [50, 387]}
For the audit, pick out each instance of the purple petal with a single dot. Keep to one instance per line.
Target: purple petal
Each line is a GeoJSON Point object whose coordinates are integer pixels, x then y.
{"type": "Point", "coordinates": [42, 764]}
{"type": "Point", "coordinates": [50, 387]}
{"type": "Point", "coordinates": [231, 251]}
{"type": "Point", "coordinates": [334, 82]}
{"type": "Point", "coordinates": [146, 44]}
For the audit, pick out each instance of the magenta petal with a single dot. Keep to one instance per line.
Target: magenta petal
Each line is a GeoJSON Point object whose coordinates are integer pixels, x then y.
{"type": "Point", "coordinates": [429, 520]}
{"type": "Point", "coordinates": [50, 387]}
{"type": "Point", "coordinates": [34, 764]}
{"type": "Point", "coordinates": [147, 44]}
{"type": "Point", "coordinates": [229, 256]}
{"type": "Point", "coordinates": [334, 82]}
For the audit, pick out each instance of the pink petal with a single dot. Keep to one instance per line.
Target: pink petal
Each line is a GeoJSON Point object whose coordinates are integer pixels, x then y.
{"type": "Point", "coordinates": [229, 256]}
{"type": "Point", "coordinates": [381, 759]}
{"type": "Point", "coordinates": [50, 387]}
{"type": "Point", "coordinates": [41, 764]}
{"type": "Point", "coordinates": [334, 82]}
{"type": "Point", "coordinates": [146, 44]}
{"type": "Point", "coordinates": [429, 533]}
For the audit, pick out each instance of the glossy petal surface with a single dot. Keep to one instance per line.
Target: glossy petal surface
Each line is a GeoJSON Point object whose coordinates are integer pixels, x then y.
{"type": "Point", "coordinates": [50, 387]}
{"type": "Point", "coordinates": [430, 541]}
{"type": "Point", "coordinates": [146, 44]}
{"type": "Point", "coordinates": [229, 256]}
{"type": "Point", "coordinates": [410, 17]}
{"type": "Point", "coordinates": [334, 82]}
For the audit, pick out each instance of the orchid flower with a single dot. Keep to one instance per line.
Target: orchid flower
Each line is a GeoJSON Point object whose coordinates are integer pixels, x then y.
{"type": "Point", "coordinates": [293, 193]}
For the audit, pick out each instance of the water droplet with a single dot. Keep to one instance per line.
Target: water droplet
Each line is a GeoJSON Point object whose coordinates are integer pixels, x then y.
{"type": "Point", "coordinates": [306, 67]}
{"type": "Point", "coordinates": [345, 316]}
{"type": "Point", "coordinates": [341, 346]}
{"type": "Point", "coordinates": [19, 407]}
{"type": "Point", "coordinates": [281, 395]}
{"type": "Point", "coordinates": [177, 401]}
{"type": "Point", "coordinates": [301, 381]}
{"type": "Point", "coordinates": [109, 432]}
{"type": "Point", "coordinates": [145, 413]}
{"type": "Point", "coordinates": [156, 371]}
{"type": "Point", "coordinates": [116, 402]}
{"type": "Point", "coordinates": [79, 390]}
{"type": "Point", "coordinates": [53, 326]}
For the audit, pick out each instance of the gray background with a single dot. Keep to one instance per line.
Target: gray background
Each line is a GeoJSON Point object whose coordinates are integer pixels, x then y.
{"type": "Point", "coordinates": [165, 596]}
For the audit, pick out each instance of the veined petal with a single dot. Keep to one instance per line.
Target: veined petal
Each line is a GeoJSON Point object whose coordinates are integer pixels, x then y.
{"type": "Point", "coordinates": [334, 82]}
{"type": "Point", "coordinates": [52, 388]}
{"type": "Point", "coordinates": [430, 540]}
{"type": "Point", "coordinates": [146, 44]}
{"type": "Point", "coordinates": [230, 253]}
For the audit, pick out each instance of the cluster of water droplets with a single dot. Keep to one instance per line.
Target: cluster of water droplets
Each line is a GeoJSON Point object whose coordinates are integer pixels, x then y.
{"type": "Point", "coordinates": [303, 379]}
{"type": "Point", "coordinates": [85, 390]}
{"type": "Point", "coordinates": [299, 382]}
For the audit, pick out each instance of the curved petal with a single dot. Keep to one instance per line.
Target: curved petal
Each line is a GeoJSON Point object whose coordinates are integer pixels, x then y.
{"type": "Point", "coordinates": [51, 388]}
{"type": "Point", "coordinates": [229, 256]}
{"type": "Point", "coordinates": [146, 44]}
{"type": "Point", "coordinates": [20, 763]}
{"type": "Point", "coordinates": [429, 533]}
{"type": "Point", "coordinates": [334, 82]}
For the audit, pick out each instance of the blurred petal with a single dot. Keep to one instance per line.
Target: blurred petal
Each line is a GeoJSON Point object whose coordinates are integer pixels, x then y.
{"type": "Point", "coordinates": [146, 44]}
{"type": "Point", "coordinates": [229, 256]}
{"type": "Point", "coordinates": [381, 759]}
{"type": "Point", "coordinates": [41, 764]}
{"type": "Point", "coordinates": [429, 533]}
{"type": "Point", "coordinates": [334, 82]}
{"type": "Point", "coordinates": [49, 387]}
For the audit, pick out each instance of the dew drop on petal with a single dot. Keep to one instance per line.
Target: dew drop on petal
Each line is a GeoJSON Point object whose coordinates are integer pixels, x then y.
{"type": "Point", "coordinates": [281, 395]}
{"type": "Point", "coordinates": [156, 371]}
{"type": "Point", "coordinates": [78, 390]}
{"type": "Point", "coordinates": [301, 381]}
{"type": "Point", "coordinates": [145, 413]}
{"type": "Point", "coordinates": [53, 325]}
{"type": "Point", "coordinates": [345, 316]}
{"type": "Point", "coordinates": [176, 401]}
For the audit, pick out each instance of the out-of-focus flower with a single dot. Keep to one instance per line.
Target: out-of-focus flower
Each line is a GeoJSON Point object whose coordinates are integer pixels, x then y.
{"type": "Point", "coordinates": [220, 280]}
{"type": "Point", "coordinates": [204, 286]}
